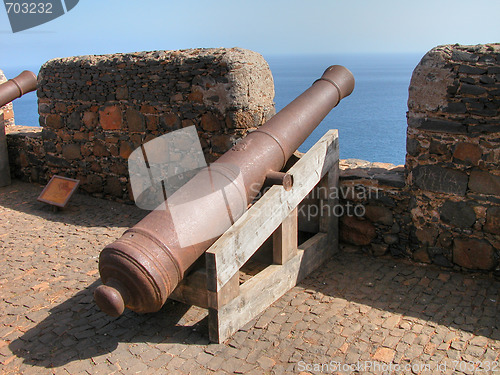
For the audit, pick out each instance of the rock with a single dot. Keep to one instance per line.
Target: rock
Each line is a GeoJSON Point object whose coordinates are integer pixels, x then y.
{"type": "Point", "coordinates": [379, 249]}
{"type": "Point", "coordinates": [468, 152]}
{"type": "Point", "coordinates": [113, 186]}
{"type": "Point", "coordinates": [440, 180]}
{"type": "Point", "coordinates": [355, 231]}
{"type": "Point", "coordinates": [71, 151]}
{"type": "Point", "coordinates": [391, 239]}
{"type": "Point", "coordinates": [209, 122]}
{"type": "Point", "coordinates": [457, 214]}
{"type": "Point", "coordinates": [379, 214]}
{"type": "Point", "coordinates": [421, 255]}
{"type": "Point", "coordinates": [438, 125]}
{"type": "Point", "coordinates": [492, 224]}
{"type": "Point", "coordinates": [384, 355]}
{"type": "Point", "coordinates": [110, 118]}
{"type": "Point", "coordinates": [473, 254]}
{"type": "Point", "coordinates": [427, 235]}
{"type": "Point", "coordinates": [484, 183]}
{"type": "Point", "coordinates": [135, 120]}
{"type": "Point", "coordinates": [90, 120]}
{"type": "Point", "coordinates": [54, 122]}
{"type": "Point", "coordinates": [121, 93]}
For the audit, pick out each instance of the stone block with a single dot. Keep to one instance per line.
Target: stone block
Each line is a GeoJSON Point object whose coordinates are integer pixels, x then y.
{"type": "Point", "coordinates": [89, 119]}
{"type": "Point", "coordinates": [379, 249]}
{"type": "Point", "coordinates": [438, 125]}
{"type": "Point", "coordinates": [421, 255]}
{"type": "Point", "coordinates": [473, 254]}
{"type": "Point", "coordinates": [54, 121]}
{"type": "Point", "coordinates": [469, 89]}
{"type": "Point", "coordinates": [379, 214]}
{"type": "Point", "coordinates": [356, 231]}
{"type": "Point", "coordinates": [71, 151]}
{"type": "Point", "coordinates": [492, 224]}
{"type": "Point", "coordinates": [427, 235]}
{"type": "Point", "coordinates": [121, 93]}
{"type": "Point", "coordinates": [457, 214]}
{"type": "Point", "coordinates": [210, 122]}
{"type": "Point", "coordinates": [135, 120]}
{"type": "Point", "coordinates": [468, 153]}
{"type": "Point", "coordinates": [484, 183]}
{"type": "Point", "coordinates": [170, 121]}
{"type": "Point", "coordinates": [113, 186]}
{"type": "Point", "coordinates": [440, 179]}
{"type": "Point", "coordinates": [110, 118]}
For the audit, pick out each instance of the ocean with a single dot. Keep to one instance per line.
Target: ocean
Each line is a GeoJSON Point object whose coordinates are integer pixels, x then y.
{"type": "Point", "coordinates": [371, 121]}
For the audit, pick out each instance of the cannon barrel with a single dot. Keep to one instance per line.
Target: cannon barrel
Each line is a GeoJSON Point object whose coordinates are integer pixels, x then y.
{"type": "Point", "coordinates": [16, 87]}
{"type": "Point", "coordinates": [10, 90]}
{"type": "Point", "coordinates": [142, 268]}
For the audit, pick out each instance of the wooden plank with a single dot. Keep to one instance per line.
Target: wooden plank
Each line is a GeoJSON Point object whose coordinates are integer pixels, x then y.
{"type": "Point", "coordinates": [226, 256]}
{"type": "Point", "coordinates": [228, 292]}
{"type": "Point", "coordinates": [265, 288]}
{"type": "Point", "coordinates": [329, 221]}
{"type": "Point", "coordinates": [192, 290]}
{"type": "Point", "coordinates": [285, 239]}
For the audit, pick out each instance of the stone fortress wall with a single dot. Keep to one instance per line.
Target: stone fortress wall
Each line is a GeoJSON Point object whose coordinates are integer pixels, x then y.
{"type": "Point", "coordinates": [95, 110]}
{"type": "Point", "coordinates": [442, 207]}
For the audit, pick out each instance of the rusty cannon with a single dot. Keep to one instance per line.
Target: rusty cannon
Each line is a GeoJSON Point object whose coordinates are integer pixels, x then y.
{"type": "Point", "coordinates": [12, 89]}
{"type": "Point", "coordinates": [142, 268]}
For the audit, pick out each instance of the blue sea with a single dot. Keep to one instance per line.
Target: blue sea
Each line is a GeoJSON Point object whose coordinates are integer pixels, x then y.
{"type": "Point", "coordinates": [371, 121]}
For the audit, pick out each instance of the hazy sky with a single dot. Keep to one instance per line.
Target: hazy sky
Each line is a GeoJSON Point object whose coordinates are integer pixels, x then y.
{"type": "Point", "coordinates": [266, 26]}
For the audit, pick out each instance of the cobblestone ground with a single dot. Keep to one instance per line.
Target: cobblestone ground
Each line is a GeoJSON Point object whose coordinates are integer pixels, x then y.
{"type": "Point", "coordinates": [353, 309]}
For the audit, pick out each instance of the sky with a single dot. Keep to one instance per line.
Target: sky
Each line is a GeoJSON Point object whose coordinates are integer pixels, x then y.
{"type": "Point", "coordinates": [270, 27]}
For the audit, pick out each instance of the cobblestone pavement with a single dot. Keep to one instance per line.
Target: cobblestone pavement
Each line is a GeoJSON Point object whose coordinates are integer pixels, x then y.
{"type": "Point", "coordinates": [353, 309]}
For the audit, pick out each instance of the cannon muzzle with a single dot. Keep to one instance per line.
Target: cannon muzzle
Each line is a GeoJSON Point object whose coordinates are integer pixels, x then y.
{"type": "Point", "coordinates": [16, 87]}
{"type": "Point", "coordinates": [10, 90]}
{"type": "Point", "coordinates": [142, 268]}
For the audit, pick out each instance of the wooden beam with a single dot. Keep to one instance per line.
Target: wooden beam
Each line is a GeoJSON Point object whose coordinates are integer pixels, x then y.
{"type": "Point", "coordinates": [329, 221]}
{"type": "Point", "coordinates": [230, 252]}
{"type": "Point", "coordinates": [265, 288]}
{"type": "Point", "coordinates": [285, 239]}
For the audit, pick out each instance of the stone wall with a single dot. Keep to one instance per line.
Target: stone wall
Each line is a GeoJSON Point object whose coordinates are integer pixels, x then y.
{"type": "Point", "coordinates": [442, 207]}
{"type": "Point", "coordinates": [6, 112]}
{"type": "Point", "coordinates": [95, 110]}
{"type": "Point", "coordinates": [376, 218]}
{"type": "Point", "coordinates": [445, 209]}
{"type": "Point", "coordinates": [453, 155]}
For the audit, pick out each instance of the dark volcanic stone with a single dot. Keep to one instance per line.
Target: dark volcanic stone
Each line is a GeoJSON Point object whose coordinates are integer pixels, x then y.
{"type": "Point", "coordinates": [355, 231]}
{"type": "Point", "coordinates": [492, 220]}
{"type": "Point", "coordinates": [473, 254]}
{"type": "Point", "coordinates": [412, 146]}
{"type": "Point", "coordinates": [439, 179]}
{"type": "Point", "coordinates": [456, 108]}
{"type": "Point", "coordinates": [438, 125]}
{"type": "Point", "coordinates": [484, 183]}
{"type": "Point", "coordinates": [457, 214]}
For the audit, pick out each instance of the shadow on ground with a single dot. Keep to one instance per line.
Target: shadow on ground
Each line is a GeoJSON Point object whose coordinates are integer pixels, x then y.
{"type": "Point", "coordinates": [106, 213]}
{"type": "Point", "coordinates": [463, 301]}
{"type": "Point", "coordinates": [77, 329]}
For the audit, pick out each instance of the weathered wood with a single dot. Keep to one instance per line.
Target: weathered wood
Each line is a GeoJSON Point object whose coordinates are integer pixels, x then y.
{"type": "Point", "coordinates": [285, 239]}
{"type": "Point", "coordinates": [228, 292]}
{"type": "Point", "coordinates": [192, 290]}
{"type": "Point", "coordinates": [266, 287]}
{"type": "Point", "coordinates": [329, 221]}
{"type": "Point", "coordinates": [226, 256]}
